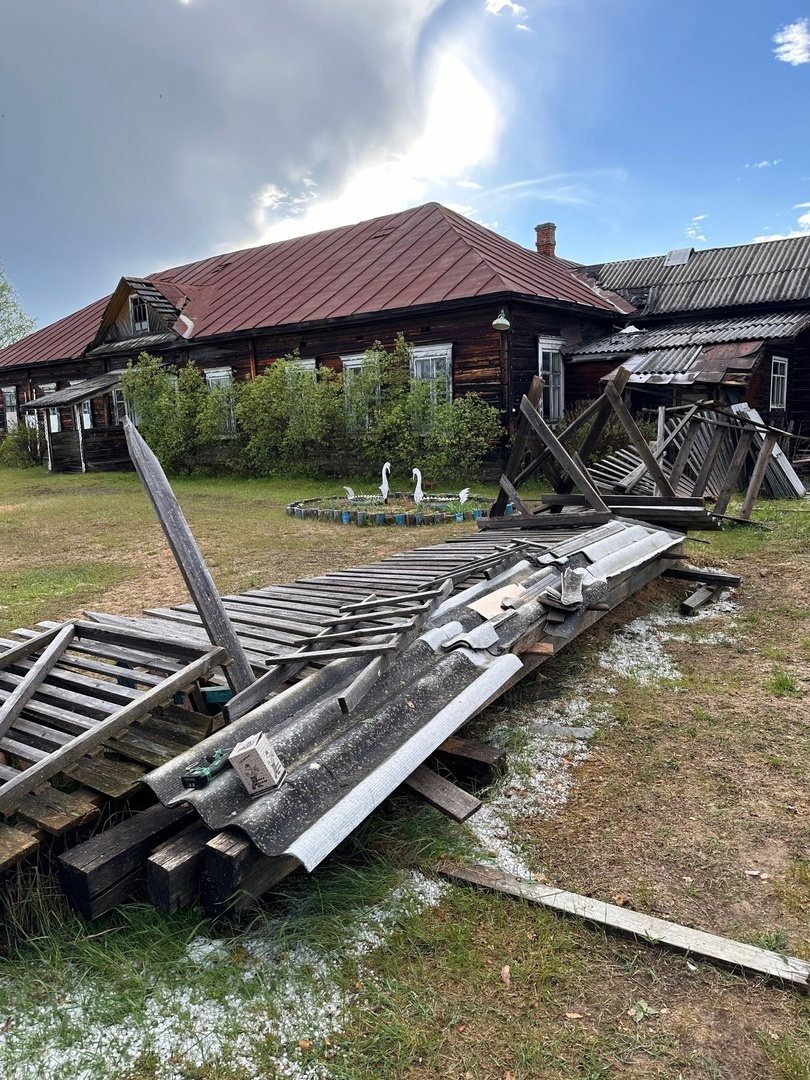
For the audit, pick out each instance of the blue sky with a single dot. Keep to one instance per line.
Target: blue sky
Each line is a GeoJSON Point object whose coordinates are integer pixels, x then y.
{"type": "Point", "coordinates": [137, 136]}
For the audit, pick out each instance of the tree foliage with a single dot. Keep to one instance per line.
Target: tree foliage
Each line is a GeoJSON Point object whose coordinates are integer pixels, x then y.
{"type": "Point", "coordinates": [14, 323]}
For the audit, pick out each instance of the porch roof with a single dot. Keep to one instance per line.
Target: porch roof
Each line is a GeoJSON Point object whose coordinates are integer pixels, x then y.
{"type": "Point", "coordinates": [85, 390]}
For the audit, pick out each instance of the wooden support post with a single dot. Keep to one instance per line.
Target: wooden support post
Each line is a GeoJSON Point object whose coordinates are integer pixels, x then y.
{"type": "Point", "coordinates": [189, 559]}
{"type": "Point", "coordinates": [632, 480]}
{"type": "Point", "coordinates": [77, 422]}
{"type": "Point", "coordinates": [734, 471]}
{"type": "Point", "coordinates": [513, 496]}
{"type": "Point", "coordinates": [519, 447]}
{"type": "Point", "coordinates": [578, 475]}
{"type": "Point", "coordinates": [594, 432]}
{"type": "Point", "coordinates": [758, 475]}
{"type": "Point", "coordinates": [34, 677]}
{"type": "Point", "coordinates": [708, 463]}
{"type": "Point", "coordinates": [638, 441]}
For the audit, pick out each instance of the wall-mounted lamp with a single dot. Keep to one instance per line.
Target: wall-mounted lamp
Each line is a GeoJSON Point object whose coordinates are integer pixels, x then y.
{"type": "Point", "coordinates": [501, 323]}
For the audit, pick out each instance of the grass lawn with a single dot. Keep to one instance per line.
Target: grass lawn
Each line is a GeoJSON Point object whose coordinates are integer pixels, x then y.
{"type": "Point", "coordinates": [662, 763]}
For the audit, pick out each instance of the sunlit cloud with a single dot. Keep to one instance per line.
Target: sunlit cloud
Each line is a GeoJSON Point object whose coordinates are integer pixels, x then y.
{"type": "Point", "coordinates": [459, 132]}
{"type": "Point", "coordinates": [802, 227]}
{"type": "Point", "coordinates": [764, 164]}
{"type": "Point", "coordinates": [793, 42]}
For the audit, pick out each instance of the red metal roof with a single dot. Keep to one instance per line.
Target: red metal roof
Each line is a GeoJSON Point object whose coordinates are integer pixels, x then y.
{"type": "Point", "coordinates": [421, 256]}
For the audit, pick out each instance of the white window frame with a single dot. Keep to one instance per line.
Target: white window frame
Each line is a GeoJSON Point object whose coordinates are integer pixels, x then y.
{"type": "Point", "coordinates": [552, 405]}
{"type": "Point", "coordinates": [87, 414]}
{"type": "Point", "coordinates": [53, 419]}
{"type": "Point", "coordinates": [779, 381]}
{"type": "Point", "coordinates": [355, 362]}
{"type": "Point", "coordinates": [11, 413]}
{"type": "Point", "coordinates": [119, 405]}
{"type": "Point", "coordinates": [139, 326]}
{"type": "Point", "coordinates": [216, 378]}
{"type": "Point", "coordinates": [440, 359]}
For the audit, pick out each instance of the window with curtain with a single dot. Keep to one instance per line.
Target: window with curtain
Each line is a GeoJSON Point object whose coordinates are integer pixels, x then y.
{"type": "Point", "coordinates": [434, 364]}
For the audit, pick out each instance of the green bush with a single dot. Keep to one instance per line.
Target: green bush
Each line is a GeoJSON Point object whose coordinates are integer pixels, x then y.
{"type": "Point", "coordinates": [20, 449]}
{"type": "Point", "coordinates": [293, 421]}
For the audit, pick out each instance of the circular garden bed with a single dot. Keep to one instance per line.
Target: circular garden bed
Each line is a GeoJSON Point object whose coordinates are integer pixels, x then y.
{"type": "Point", "coordinates": [400, 509]}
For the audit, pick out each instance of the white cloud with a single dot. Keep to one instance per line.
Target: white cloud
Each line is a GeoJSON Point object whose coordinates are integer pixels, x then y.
{"type": "Point", "coordinates": [802, 227]}
{"type": "Point", "coordinates": [793, 42]}
{"type": "Point", "coordinates": [495, 7]}
{"type": "Point", "coordinates": [459, 130]}
{"type": "Point", "coordinates": [523, 26]}
{"type": "Point", "coordinates": [764, 164]}
{"type": "Point", "coordinates": [694, 230]}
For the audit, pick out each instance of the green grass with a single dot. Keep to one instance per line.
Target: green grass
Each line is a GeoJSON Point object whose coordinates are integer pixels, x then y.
{"type": "Point", "coordinates": [27, 595]}
{"type": "Point", "coordinates": [782, 684]}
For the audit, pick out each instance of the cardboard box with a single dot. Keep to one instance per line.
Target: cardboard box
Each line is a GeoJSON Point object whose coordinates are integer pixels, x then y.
{"type": "Point", "coordinates": [257, 764]}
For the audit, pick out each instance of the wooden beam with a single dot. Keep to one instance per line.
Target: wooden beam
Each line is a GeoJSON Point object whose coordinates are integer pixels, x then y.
{"type": "Point", "coordinates": [633, 478]}
{"type": "Point", "coordinates": [189, 558]}
{"type": "Point", "coordinates": [734, 470]}
{"type": "Point", "coordinates": [579, 421]}
{"type": "Point", "coordinates": [580, 477]}
{"type": "Point", "coordinates": [34, 677]}
{"type": "Point", "coordinates": [518, 451]}
{"type": "Point", "coordinates": [601, 417]}
{"type": "Point", "coordinates": [789, 970]}
{"type": "Point", "coordinates": [513, 496]}
{"type": "Point", "coordinates": [638, 440]}
{"type": "Point", "coordinates": [442, 794]}
{"type": "Point", "coordinates": [706, 594]}
{"type": "Point", "coordinates": [32, 777]}
{"type": "Point", "coordinates": [684, 453]}
{"type": "Point", "coordinates": [758, 475]}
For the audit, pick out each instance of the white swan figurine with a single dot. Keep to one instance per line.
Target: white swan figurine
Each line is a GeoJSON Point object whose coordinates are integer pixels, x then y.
{"type": "Point", "coordinates": [386, 469]}
{"type": "Point", "coordinates": [349, 493]}
{"type": "Point", "coordinates": [463, 495]}
{"type": "Point", "coordinates": [418, 494]}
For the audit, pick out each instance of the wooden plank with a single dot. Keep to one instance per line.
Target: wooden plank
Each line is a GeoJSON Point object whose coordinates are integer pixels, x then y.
{"type": "Point", "coordinates": [469, 758]}
{"type": "Point", "coordinates": [19, 650]}
{"type": "Point", "coordinates": [715, 577]}
{"type": "Point", "coordinates": [578, 475]}
{"type": "Point", "coordinates": [708, 463]}
{"type": "Point", "coordinates": [684, 453]}
{"type": "Point", "coordinates": [638, 440]}
{"type": "Point", "coordinates": [32, 777]}
{"type": "Point", "coordinates": [758, 475]}
{"type": "Point", "coordinates": [56, 812]}
{"type": "Point", "coordinates": [15, 845]}
{"type": "Point", "coordinates": [110, 777]}
{"type": "Point", "coordinates": [789, 970]}
{"type": "Point", "coordinates": [442, 794]}
{"type": "Point", "coordinates": [706, 594]}
{"type": "Point", "coordinates": [734, 470]}
{"type": "Point", "coordinates": [584, 520]}
{"type": "Point", "coordinates": [579, 421]}
{"type": "Point", "coordinates": [173, 869]}
{"type": "Point", "coordinates": [513, 496]}
{"type": "Point", "coordinates": [189, 558]}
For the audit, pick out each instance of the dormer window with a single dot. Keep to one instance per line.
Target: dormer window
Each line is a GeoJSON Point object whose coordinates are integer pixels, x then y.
{"type": "Point", "coordinates": [139, 315]}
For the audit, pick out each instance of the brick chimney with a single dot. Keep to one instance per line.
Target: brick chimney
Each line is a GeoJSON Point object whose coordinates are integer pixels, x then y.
{"type": "Point", "coordinates": [546, 238]}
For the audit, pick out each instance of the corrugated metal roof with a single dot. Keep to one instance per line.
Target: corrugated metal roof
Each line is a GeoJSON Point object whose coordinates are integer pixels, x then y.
{"type": "Point", "coordinates": [772, 272]}
{"type": "Point", "coordinates": [778, 325]}
{"type": "Point", "coordinates": [72, 395]}
{"type": "Point", "coordinates": [710, 364]}
{"type": "Point", "coordinates": [421, 256]}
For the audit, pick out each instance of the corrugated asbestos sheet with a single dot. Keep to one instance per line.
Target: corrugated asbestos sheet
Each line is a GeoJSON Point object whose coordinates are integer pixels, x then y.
{"type": "Point", "coordinates": [772, 272]}
{"type": "Point", "coordinates": [340, 767]}
{"type": "Point", "coordinates": [776, 326]}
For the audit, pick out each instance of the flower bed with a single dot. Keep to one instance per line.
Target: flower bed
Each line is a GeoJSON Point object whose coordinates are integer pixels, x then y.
{"type": "Point", "coordinates": [400, 509]}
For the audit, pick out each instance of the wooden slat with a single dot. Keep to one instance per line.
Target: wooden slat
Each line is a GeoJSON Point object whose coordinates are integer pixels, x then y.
{"type": "Point", "coordinates": [758, 475]}
{"type": "Point", "coordinates": [786, 969]}
{"type": "Point", "coordinates": [734, 470]}
{"type": "Point", "coordinates": [33, 679]}
{"type": "Point", "coordinates": [25, 648]}
{"type": "Point", "coordinates": [32, 777]}
{"type": "Point", "coordinates": [189, 558]}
